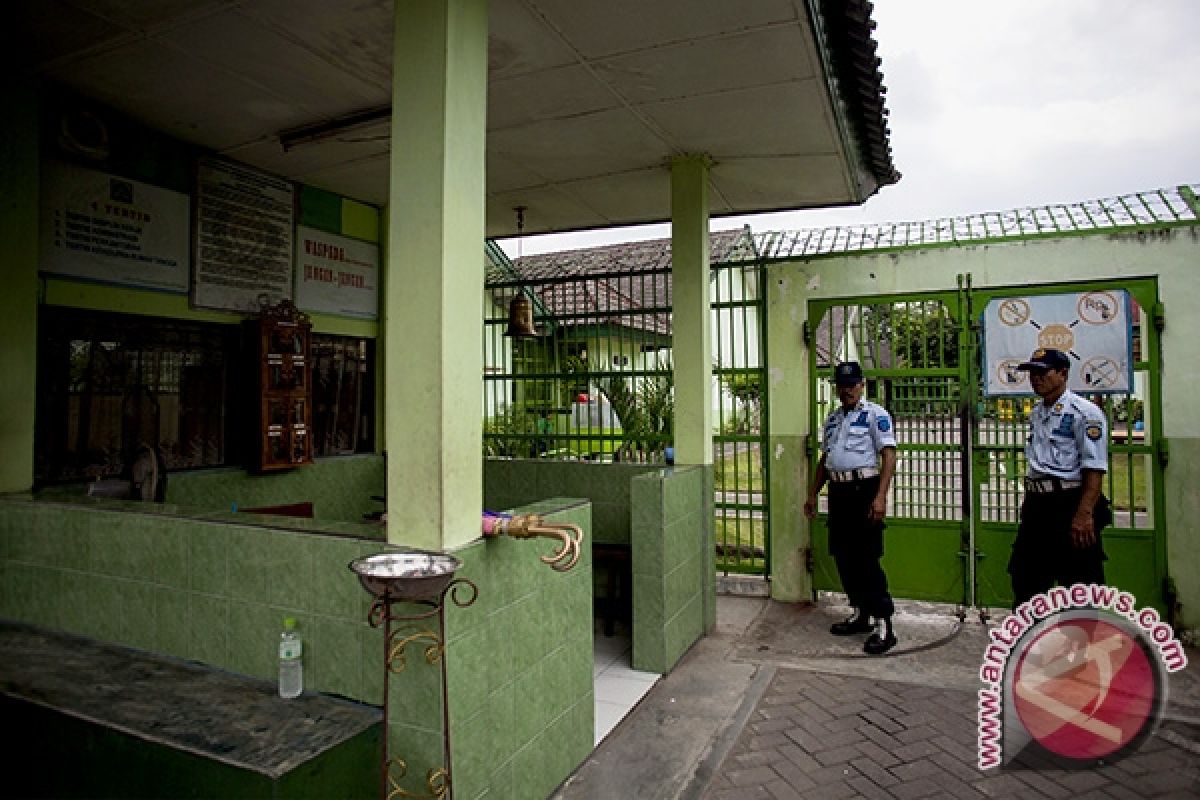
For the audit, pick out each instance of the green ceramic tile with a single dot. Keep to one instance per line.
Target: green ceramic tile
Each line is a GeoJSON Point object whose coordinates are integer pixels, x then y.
{"type": "Point", "coordinates": [334, 656]}
{"type": "Point", "coordinates": [556, 683]}
{"type": "Point", "coordinates": [137, 622]}
{"type": "Point", "coordinates": [208, 629]}
{"type": "Point", "coordinates": [370, 645]}
{"type": "Point", "coordinates": [14, 517]}
{"type": "Point", "coordinates": [646, 552]}
{"type": "Point", "coordinates": [208, 560]}
{"type": "Point", "coordinates": [610, 522]}
{"type": "Point", "coordinates": [71, 542]}
{"type": "Point", "coordinates": [78, 605]}
{"type": "Point", "coordinates": [7, 590]}
{"type": "Point", "coordinates": [680, 585]}
{"type": "Point", "coordinates": [170, 562]}
{"type": "Point", "coordinates": [250, 558]}
{"type": "Point", "coordinates": [501, 648]}
{"type": "Point", "coordinates": [37, 602]}
{"type": "Point", "coordinates": [336, 590]}
{"type": "Point", "coordinates": [501, 784]}
{"type": "Point", "coordinates": [531, 771]}
{"type": "Point", "coordinates": [470, 740]}
{"type": "Point", "coordinates": [467, 670]}
{"type": "Point", "coordinates": [415, 688]}
{"type": "Point", "coordinates": [680, 498]}
{"type": "Point", "coordinates": [173, 634]}
{"type": "Point", "coordinates": [646, 513]}
{"type": "Point", "coordinates": [254, 639]}
{"type": "Point", "coordinates": [290, 570]}
{"type": "Point", "coordinates": [421, 751]}
{"type": "Point", "coordinates": [35, 545]}
{"type": "Point", "coordinates": [530, 714]}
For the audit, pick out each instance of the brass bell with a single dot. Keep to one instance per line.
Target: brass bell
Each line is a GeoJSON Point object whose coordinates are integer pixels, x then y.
{"type": "Point", "coordinates": [520, 318]}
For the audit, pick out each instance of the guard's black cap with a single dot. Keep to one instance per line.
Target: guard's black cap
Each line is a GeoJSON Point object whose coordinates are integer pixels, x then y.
{"type": "Point", "coordinates": [848, 373]}
{"type": "Point", "coordinates": [1046, 358]}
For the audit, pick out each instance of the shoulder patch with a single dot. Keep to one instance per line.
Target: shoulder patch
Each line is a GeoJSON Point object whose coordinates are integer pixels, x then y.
{"type": "Point", "coordinates": [884, 424]}
{"type": "Point", "coordinates": [1094, 431]}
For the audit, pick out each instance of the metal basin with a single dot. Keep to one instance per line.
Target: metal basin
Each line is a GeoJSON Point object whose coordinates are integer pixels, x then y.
{"type": "Point", "coordinates": [412, 575]}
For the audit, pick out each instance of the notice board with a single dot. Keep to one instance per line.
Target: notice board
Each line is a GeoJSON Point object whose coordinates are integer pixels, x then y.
{"type": "Point", "coordinates": [109, 229]}
{"type": "Point", "coordinates": [242, 237]}
{"type": "Point", "coordinates": [336, 274]}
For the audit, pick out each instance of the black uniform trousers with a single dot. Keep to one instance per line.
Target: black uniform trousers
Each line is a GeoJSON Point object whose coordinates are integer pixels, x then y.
{"type": "Point", "coordinates": [856, 544]}
{"type": "Point", "coordinates": [1043, 553]}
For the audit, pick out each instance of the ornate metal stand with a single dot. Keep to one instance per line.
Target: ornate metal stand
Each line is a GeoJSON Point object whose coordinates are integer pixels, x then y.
{"type": "Point", "coordinates": [399, 631]}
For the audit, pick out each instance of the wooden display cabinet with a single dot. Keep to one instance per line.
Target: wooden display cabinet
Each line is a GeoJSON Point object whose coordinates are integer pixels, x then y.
{"type": "Point", "coordinates": [281, 341]}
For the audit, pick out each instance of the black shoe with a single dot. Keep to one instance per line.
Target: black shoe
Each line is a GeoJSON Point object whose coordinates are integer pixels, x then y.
{"type": "Point", "coordinates": [878, 645]}
{"type": "Point", "coordinates": [859, 624]}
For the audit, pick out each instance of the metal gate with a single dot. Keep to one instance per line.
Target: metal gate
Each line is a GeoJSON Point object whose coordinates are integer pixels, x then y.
{"type": "Point", "coordinates": [740, 473]}
{"type": "Point", "coordinates": [953, 504]}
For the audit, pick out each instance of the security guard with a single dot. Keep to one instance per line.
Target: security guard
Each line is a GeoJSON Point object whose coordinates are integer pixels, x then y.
{"type": "Point", "coordinates": [1063, 512]}
{"type": "Point", "coordinates": [858, 459]}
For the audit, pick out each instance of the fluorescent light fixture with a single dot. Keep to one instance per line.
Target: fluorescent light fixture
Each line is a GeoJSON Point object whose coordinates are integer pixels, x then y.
{"type": "Point", "coordinates": [331, 128]}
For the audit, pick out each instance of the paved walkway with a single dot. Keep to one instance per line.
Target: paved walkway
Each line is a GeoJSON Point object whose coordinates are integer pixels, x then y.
{"type": "Point", "coordinates": [772, 706]}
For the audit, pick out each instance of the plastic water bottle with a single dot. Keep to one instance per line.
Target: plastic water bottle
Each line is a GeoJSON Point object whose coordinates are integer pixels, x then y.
{"type": "Point", "coordinates": [291, 664]}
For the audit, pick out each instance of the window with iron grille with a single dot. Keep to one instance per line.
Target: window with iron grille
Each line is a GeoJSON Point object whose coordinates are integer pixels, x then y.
{"type": "Point", "coordinates": [343, 395]}
{"type": "Point", "coordinates": [112, 383]}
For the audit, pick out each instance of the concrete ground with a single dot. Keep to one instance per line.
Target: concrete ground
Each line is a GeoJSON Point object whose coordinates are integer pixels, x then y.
{"type": "Point", "coordinates": [771, 705]}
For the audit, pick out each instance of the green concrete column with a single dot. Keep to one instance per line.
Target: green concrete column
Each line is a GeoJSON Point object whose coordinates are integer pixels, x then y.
{"type": "Point", "coordinates": [691, 339]}
{"type": "Point", "coordinates": [788, 398]}
{"type": "Point", "coordinates": [433, 359]}
{"type": "Point", "coordinates": [18, 268]}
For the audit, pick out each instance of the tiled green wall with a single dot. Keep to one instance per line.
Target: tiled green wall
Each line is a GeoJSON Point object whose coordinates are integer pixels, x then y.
{"type": "Point", "coordinates": [509, 483]}
{"type": "Point", "coordinates": [666, 514]}
{"type": "Point", "coordinates": [340, 488]}
{"type": "Point", "coordinates": [192, 588]}
{"type": "Point", "coordinates": [519, 663]}
{"type": "Point", "coordinates": [519, 660]}
{"type": "Point", "coordinates": [674, 577]}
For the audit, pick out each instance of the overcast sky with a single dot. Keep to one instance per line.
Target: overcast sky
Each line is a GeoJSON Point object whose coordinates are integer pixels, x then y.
{"type": "Point", "coordinates": [1003, 105]}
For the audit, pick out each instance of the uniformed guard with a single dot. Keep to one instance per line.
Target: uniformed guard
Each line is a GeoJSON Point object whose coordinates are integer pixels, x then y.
{"type": "Point", "coordinates": [1058, 538]}
{"type": "Point", "coordinates": [858, 459]}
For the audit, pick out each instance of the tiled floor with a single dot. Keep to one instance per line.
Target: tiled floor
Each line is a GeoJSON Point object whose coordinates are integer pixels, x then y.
{"type": "Point", "coordinates": [618, 687]}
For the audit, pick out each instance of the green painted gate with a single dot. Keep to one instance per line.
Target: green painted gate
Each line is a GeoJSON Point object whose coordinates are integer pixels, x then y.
{"type": "Point", "coordinates": [953, 505]}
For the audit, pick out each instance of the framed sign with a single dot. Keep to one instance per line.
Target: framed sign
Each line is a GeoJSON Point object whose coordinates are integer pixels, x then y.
{"type": "Point", "coordinates": [336, 274]}
{"type": "Point", "coordinates": [104, 228]}
{"type": "Point", "coordinates": [243, 237]}
{"type": "Point", "coordinates": [1094, 329]}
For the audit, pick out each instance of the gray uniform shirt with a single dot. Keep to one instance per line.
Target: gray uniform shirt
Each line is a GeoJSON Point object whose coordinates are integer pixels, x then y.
{"type": "Point", "coordinates": [854, 438]}
{"type": "Point", "coordinates": [1066, 438]}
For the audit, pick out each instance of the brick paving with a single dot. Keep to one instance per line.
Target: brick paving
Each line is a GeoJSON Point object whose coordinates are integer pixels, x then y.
{"type": "Point", "coordinates": [830, 736]}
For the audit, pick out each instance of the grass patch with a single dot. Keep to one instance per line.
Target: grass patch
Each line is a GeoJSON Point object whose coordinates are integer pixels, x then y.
{"type": "Point", "coordinates": [737, 470]}
{"type": "Point", "coordinates": [741, 544]}
{"type": "Point", "coordinates": [1126, 485]}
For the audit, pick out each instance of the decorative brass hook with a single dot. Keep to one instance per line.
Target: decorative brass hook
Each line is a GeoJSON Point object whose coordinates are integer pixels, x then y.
{"type": "Point", "coordinates": [529, 526]}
